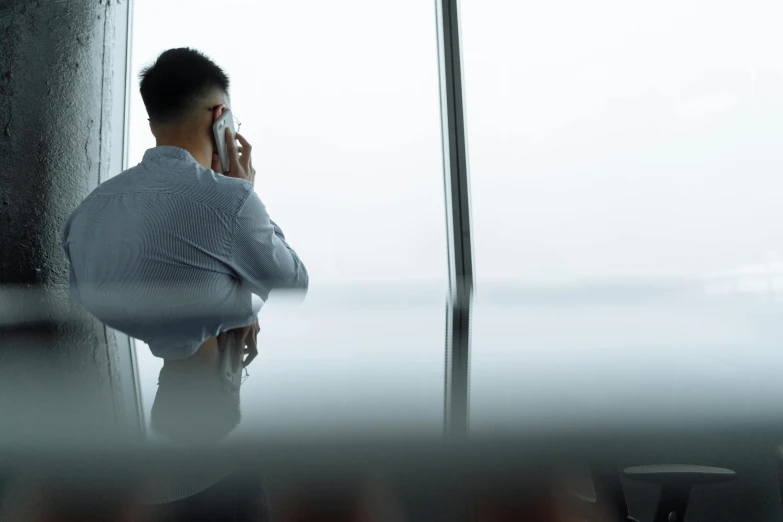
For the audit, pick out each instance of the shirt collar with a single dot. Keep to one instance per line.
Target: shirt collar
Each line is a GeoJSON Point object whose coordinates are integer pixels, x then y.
{"type": "Point", "coordinates": [170, 152]}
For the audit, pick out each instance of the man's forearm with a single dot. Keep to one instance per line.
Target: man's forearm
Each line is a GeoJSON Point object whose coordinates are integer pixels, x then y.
{"type": "Point", "coordinates": [300, 279]}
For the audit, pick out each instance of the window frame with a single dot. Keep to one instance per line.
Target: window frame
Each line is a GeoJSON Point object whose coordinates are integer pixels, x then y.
{"type": "Point", "coordinates": [458, 219]}
{"type": "Point", "coordinates": [130, 411]}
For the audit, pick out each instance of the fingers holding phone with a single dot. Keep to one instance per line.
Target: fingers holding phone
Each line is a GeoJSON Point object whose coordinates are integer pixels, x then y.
{"type": "Point", "coordinates": [246, 159]}
{"type": "Point", "coordinates": [239, 158]}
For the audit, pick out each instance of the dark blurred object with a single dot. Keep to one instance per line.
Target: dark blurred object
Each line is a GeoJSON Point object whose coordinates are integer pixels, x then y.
{"type": "Point", "coordinates": [41, 498]}
{"type": "Point", "coordinates": [342, 500]}
{"type": "Point", "coordinates": [240, 497]}
{"type": "Point", "coordinates": [427, 480]}
{"type": "Point", "coordinates": [609, 492]}
{"type": "Point", "coordinates": [676, 481]}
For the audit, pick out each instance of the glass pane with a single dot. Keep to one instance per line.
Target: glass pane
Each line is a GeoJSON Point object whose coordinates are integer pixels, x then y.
{"type": "Point", "coordinates": [625, 183]}
{"type": "Point", "coordinates": [341, 103]}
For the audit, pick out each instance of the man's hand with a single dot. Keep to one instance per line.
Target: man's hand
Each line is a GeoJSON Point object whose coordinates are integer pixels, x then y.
{"type": "Point", "coordinates": [246, 339]}
{"type": "Point", "coordinates": [251, 343]}
{"type": "Point", "coordinates": [240, 164]}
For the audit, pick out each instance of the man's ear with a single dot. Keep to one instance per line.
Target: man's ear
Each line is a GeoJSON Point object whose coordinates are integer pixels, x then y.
{"type": "Point", "coordinates": [219, 110]}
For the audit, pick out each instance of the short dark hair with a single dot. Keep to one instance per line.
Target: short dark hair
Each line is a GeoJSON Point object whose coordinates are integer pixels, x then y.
{"type": "Point", "coordinates": [176, 80]}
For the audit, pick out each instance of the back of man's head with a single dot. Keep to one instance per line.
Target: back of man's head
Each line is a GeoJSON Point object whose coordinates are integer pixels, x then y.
{"type": "Point", "coordinates": [175, 85]}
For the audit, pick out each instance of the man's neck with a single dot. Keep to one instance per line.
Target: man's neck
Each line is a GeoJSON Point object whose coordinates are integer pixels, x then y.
{"type": "Point", "coordinates": [201, 152]}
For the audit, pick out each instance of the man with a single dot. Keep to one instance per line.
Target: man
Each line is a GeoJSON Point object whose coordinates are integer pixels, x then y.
{"type": "Point", "coordinates": [173, 251]}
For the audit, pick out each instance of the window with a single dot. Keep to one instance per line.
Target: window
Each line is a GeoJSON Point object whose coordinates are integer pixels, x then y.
{"type": "Point", "coordinates": [624, 163]}
{"type": "Point", "coordinates": [624, 205]}
{"type": "Point", "coordinates": [341, 103]}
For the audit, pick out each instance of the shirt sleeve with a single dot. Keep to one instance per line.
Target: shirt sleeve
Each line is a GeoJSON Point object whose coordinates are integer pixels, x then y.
{"type": "Point", "coordinates": [260, 255]}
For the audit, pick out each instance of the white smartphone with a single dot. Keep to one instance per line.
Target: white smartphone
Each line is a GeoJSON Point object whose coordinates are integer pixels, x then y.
{"type": "Point", "coordinates": [219, 130]}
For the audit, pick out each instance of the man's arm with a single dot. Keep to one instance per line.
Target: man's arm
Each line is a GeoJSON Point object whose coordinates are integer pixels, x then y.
{"type": "Point", "coordinates": [260, 255]}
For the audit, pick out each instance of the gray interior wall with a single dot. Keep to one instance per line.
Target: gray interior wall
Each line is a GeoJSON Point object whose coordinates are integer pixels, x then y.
{"type": "Point", "coordinates": [55, 127]}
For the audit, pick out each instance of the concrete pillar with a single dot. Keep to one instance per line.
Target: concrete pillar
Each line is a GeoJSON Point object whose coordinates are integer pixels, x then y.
{"type": "Point", "coordinates": [59, 368]}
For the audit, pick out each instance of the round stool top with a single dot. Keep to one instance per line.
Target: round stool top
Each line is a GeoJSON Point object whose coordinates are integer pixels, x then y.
{"type": "Point", "coordinates": [680, 474]}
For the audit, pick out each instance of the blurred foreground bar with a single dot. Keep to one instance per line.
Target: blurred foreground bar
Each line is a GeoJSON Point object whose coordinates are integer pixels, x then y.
{"type": "Point", "coordinates": [308, 456]}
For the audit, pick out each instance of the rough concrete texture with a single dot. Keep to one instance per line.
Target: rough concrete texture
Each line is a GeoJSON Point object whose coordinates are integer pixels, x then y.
{"type": "Point", "coordinates": [55, 78]}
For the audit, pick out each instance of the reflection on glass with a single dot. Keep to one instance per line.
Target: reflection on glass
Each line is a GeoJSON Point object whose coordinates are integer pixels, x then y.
{"type": "Point", "coordinates": [625, 192]}
{"type": "Point", "coordinates": [343, 115]}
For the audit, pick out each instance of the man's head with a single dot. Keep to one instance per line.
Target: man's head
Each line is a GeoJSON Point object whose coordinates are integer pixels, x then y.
{"type": "Point", "coordinates": [178, 90]}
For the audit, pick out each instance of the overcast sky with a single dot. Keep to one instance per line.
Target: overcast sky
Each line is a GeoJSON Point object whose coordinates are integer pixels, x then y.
{"type": "Point", "coordinates": [607, 138]}
{"type": "Point", "coordinates": [614, 139]}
